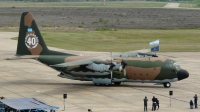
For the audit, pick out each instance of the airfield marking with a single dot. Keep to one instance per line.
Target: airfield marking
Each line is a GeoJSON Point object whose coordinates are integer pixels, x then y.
{"type": "Point", "coordinates": [172, 5]}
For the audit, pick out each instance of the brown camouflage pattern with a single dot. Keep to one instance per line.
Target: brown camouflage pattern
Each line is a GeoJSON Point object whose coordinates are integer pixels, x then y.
{"type": "Point", "coordinates": [28, 19]}
{"type": "Point", "coordinates": [142, 73]}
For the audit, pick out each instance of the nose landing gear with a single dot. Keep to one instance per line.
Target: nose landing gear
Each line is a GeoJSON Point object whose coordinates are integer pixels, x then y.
{"type": "Point", "coordinates": [167, 85]}
{"type": "Point", "coordinates": [117, 83]}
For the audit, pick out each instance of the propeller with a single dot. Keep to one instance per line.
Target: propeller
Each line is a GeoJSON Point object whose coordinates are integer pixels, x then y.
{"type": "Point", "coordinates": [111, 67]}
{"type": "Point", "coordinates": [123, 64]}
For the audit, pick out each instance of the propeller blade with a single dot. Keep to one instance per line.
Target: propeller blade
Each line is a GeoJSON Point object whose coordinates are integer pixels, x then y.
{"type": "Point", "coordinates": [120, 68]}
{"type": "Point", "coordinates": [111, 63]}
{"type": "Point", "coordinates": [111, 76]}
{"type": "Point", "coordinates": [111, 66]}
{"type": "Point", "coordinates": [124, 72]}
{"type": "Point", "coordinates": [123, 64]}
{"type": "Point", "coordinates": [111, 56]}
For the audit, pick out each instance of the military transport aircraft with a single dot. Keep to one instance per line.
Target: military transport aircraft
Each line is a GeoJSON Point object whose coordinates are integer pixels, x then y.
{"type": "Point", "coordinates": [106, 69]}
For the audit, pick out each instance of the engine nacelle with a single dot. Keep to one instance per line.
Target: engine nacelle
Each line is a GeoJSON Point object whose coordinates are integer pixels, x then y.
{"type": "Point", "coordinates": [98, 67]}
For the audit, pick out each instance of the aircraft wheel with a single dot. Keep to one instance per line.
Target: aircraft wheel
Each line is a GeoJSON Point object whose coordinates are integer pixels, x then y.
{"type": "Point", "coordinates": [96, 84]}
{"type": "Point", "coordinates": [167, 85]}
{"type": "Point", "coordinates": [117, 83]}
{"type": "Point", "coordinates": [107, 84]}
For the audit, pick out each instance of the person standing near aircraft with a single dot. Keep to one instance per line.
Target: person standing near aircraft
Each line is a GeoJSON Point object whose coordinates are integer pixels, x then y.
{"type": "Point", "coordinates": [145, 103]}
{"type": "Point", "coordinates": [195, 100]}
{"type": "Point", "coordinates": [153, 103]}
{"type": "Point", "coordinates": [191, 104]}
{"type": "Point", "coordinates": [157, 103]}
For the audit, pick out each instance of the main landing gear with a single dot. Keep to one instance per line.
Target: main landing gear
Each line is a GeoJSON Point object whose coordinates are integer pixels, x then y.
{"type": "Point", "coordinates": [96, 84]}
{"type": "Point", "coordinates": [117, 83]}
{"type": "Point", "coordinates": [167, 84]}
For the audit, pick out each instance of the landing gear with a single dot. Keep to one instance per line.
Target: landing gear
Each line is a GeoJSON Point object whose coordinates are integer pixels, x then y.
{"type": "Point", "coordinates": [102, 84]}
{"type": "Point", "coordinates": [167, 84]}
{"type": "Point", "coordinates": [117, 83]}
{"type": "Point", "coordinates": [96, 84]}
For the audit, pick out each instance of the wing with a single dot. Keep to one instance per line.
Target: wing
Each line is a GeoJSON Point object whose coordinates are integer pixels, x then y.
{"type": "Point", "coordinates": [100, 59]}
{"type": "Point", "coordinates": [74, 63]}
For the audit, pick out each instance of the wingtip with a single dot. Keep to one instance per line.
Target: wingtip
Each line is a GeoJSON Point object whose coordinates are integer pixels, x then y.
{"type": "Point", "coordinates": [56, 65]}
{"type": "Point", "coordinates": [13, 58]}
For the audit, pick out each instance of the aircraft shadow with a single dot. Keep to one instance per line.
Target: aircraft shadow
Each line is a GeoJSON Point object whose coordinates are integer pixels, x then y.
{"type": "Point", "coordinates": [90, 84]}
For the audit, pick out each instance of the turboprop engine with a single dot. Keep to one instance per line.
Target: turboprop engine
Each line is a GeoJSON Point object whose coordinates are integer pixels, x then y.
{"type": "Point", "coordinates": [106, 67]}
{"type": "Point", "coordinates": [98, 67]}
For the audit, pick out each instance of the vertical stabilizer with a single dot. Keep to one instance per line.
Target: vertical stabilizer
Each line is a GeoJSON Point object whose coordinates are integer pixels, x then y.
{"type": "Point", "coordinates": [30, 41]}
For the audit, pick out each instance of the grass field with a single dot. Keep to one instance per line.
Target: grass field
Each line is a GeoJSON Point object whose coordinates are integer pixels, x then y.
{"type": "Point", "coordinates": [176, 40]}
{"type": "Point", "coordinates": [123, 4]}
{"type": "Point", "coordinates": [189, 5]}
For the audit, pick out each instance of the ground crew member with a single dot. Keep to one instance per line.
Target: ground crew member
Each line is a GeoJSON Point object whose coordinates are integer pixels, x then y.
{"type": "Point", "coordinates": [195, 100]}
{"type": "Point", "coordinates": [153, 103]}
{"type": "Point", "coordinates": [157, 103]}
{"type": "Point", "coordinates": [191, 104]}
{"type": "Point", "coordinates": [145, 103]}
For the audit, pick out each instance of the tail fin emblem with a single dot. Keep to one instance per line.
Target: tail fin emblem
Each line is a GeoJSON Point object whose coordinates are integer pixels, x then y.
{"type": "Point", "coordinates": [30, 30]}
{"type": "Point", "coordinates": [31, 41]}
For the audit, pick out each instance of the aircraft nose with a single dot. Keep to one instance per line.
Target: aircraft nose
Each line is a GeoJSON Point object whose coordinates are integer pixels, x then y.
{"type": "Point", "coordinates": [182, 74]}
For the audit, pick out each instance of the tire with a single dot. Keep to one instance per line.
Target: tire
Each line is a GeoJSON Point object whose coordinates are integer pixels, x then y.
{"type": "Point", "coordinates": [167, 85]}
{"type": "Point", "coordinates": [96, 84]}
{"type": "Point", "coordinates": [107, 84]}
{"type": "Point", "coordinates": [117, 83]}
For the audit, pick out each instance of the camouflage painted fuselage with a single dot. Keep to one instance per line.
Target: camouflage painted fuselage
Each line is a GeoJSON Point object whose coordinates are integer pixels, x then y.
{"type": "Point", "coordinates": [155, 70]}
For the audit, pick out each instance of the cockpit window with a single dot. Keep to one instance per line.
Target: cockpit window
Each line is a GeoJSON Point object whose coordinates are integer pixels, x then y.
{"type": "Point", "coordinates": [169, 65]}
{"type": "Point", "coordinates": [172, 64]}
{"type": "Point", "coordinates": [176, 65]}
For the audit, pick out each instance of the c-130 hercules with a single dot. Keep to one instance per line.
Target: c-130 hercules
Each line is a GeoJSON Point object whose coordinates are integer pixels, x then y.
{"type": "Point", "coordinates": [106, 69]}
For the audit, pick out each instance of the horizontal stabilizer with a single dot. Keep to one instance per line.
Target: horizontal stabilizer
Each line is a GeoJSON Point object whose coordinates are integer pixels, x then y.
{"type": "Point", "coordinates": [23, 57]}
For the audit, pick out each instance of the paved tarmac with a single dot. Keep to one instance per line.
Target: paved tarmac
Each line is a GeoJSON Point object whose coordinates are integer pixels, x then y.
{"type": "Point", "coordinates": [172, 5]}
{"type": "Point", "coordinates": [29, 78]}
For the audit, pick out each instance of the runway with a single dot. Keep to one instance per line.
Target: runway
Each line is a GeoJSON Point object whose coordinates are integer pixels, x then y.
{"type": "Point", "coordinates": [29, 78]}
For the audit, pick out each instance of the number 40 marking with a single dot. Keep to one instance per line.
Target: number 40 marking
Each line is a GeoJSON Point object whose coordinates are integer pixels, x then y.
{"type": "Point", "coordinates": [31, 41]}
